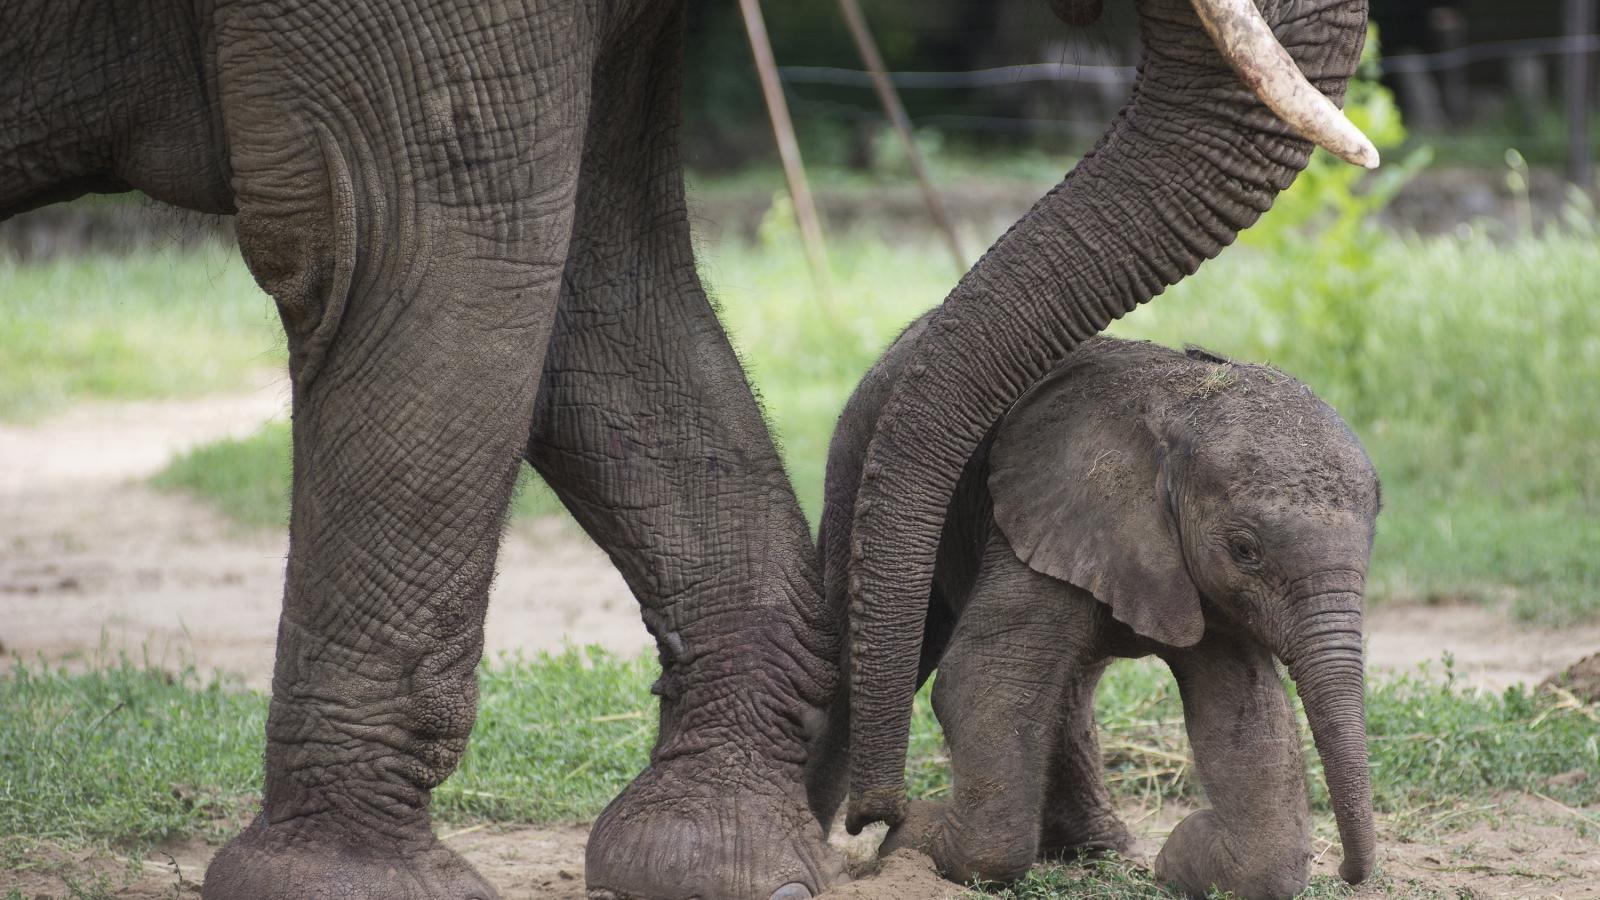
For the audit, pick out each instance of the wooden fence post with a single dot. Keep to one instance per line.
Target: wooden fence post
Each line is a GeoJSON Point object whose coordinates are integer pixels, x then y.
{"type": "Point", "coordinates": [896, 111]}
{"type": "Point", "coordinates": [1579, 90]}
{"type": "Point", "coordinates": [805, 209]}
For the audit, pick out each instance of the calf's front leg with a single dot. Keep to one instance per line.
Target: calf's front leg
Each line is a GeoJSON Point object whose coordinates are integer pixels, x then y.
{"type": "Point", "coordinates": [1255, 839]}
{"type": "Point", "coordinates": [1079, 816]}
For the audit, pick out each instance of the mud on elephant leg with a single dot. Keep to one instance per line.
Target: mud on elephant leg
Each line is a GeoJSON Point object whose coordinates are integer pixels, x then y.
{"type": "Point", "coordinates": [1078, 813]}
{"type": "Point", "coordinates": [647, 430]}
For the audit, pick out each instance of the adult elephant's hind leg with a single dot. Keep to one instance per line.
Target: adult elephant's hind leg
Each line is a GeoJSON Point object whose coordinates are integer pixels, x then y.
{"type": "Point", "coordinates": [415, 255]}
{"type": "Point", "coordinates": [648, 431]}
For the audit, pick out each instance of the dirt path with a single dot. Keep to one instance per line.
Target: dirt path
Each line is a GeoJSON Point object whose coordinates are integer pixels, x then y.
{"type": "Point", "coordinates": [92, 560]}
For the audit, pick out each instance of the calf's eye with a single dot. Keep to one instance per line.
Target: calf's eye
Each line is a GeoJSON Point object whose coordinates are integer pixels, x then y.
{"type": "Point", "coordinates": [1244, 550]}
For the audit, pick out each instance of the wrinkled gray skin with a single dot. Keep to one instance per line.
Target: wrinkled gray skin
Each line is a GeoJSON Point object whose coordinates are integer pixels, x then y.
{"type": "Point", "coordinates": [470, 215]}
{"type": "Point", "coordinates": [1136, 501]}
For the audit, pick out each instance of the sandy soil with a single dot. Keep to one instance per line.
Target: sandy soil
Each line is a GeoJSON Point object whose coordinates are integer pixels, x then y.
{"type": "Point", "coordinates": [92, 561]}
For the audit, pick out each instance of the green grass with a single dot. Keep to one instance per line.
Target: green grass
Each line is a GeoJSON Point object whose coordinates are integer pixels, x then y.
{"type": "Point", "coordinates": [1470, 369]}
{"type": "Point", "coordinates": [247, 478]}
{"type": "Point", "coordinates": [131, 756]}
{"type": "Point", "coordinates": [156, 324]}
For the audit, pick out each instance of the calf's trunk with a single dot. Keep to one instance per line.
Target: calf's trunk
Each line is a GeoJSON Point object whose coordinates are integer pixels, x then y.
{"type": "Point", "coordinates": [1325, 661]}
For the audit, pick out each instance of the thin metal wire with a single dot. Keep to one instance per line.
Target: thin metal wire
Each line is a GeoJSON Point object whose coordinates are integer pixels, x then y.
{"type": "Point", "coordinates": [1007, 76]}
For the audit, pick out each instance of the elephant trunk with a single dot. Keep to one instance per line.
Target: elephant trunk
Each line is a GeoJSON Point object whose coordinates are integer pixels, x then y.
{"type": "Point", "coordinates": [1324, 657]}
{"type": "Point", "coordinates": [1192, 159]}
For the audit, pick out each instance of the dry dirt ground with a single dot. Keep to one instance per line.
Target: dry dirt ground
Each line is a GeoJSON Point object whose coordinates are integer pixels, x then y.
{"type": "Point", "coordinates": [92, 560]}
{"type": "Point", "coordinates": [1528, 849]}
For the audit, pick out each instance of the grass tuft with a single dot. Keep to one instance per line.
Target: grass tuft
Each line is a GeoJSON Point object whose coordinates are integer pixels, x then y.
{"type": "Point", "coordinates": [247, 478]}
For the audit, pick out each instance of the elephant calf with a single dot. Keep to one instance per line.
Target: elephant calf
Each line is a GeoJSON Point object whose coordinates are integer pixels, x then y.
{"type": "Point", "coordinates": [1138, 501]}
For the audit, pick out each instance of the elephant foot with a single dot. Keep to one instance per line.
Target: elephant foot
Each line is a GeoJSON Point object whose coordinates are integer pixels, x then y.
{"type": "Point", "coordinates": [1090, 835]}
{"type": "Point", "coordinates": [1196, 859]}
{"type": "Point", "coordinates": [709, 826]}
{"type": "Point", "coordinates": [278, 862]}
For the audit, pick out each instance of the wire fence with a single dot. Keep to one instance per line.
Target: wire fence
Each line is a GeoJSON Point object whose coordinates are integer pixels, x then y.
{"type": "Point", "coordinates": [1110, 79]}
{"type": "Point", "coordinates": [1007, 76]}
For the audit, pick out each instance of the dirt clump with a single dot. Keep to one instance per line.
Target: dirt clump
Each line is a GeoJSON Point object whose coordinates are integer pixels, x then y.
{"type": "Point", "coordinates": [902, 875]}
{"type": "Point", "coordinates": [1582, 678]}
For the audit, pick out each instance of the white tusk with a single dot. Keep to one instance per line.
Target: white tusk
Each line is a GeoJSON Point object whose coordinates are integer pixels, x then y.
{"type": "Point", "coordinates": [1248, 44]}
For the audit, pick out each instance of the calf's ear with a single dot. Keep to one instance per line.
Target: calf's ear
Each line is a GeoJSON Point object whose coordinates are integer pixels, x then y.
{"type": "Point", "coordinates": [1083, 491]}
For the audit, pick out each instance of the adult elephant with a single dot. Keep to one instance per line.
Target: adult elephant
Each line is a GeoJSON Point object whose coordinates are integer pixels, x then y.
{"type": "Point", "coordinates": [471, 218]}
{"type": "Point", "coordinates": [1197, 155]}
{"type": "Point", "coordinates": [470, 215]}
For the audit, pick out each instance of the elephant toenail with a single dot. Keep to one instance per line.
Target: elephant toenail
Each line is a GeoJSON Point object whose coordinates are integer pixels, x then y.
{"type": "Point", "coordinates": [791, 891]}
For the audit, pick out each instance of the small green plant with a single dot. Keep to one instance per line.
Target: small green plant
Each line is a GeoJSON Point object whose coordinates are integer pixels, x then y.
{"type": "Point", "coordinates": [1218, 379]}
{"type": "Point", "coordinates": [1330, 209]}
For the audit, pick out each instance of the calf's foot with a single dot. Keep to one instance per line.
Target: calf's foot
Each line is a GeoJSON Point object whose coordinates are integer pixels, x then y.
{"type": "Point", "coordinates": [961, 850]}
{"type": "Point", "coordinates": [1067, 836]}
{"type": "Point", "coordinates": [1201, 855]}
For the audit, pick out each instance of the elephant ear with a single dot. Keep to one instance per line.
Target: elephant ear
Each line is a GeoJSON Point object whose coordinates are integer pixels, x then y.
{"type": "Point", "coordinates": [1082, 490]}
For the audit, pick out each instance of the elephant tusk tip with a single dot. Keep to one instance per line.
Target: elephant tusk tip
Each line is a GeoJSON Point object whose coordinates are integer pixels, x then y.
{"type": "Point", "coordinates": [1341, 137]}
{"type": "Point", "coordinates": [1363, 154]}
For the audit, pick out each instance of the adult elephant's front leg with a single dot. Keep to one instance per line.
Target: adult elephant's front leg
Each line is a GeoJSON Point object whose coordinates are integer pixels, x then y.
{"type": "Point", "coordinates": [649, 433]}
{"type": "Point", "coordinates": [410, 217]}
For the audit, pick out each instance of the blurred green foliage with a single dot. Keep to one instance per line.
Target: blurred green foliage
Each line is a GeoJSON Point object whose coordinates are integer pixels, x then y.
{"type": "Point", "coordinates": [1469, 366]}
{"type": "Point", "coordinates": [156, 324]}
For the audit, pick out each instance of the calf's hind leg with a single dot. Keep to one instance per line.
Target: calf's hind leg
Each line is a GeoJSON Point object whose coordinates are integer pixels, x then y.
{"type": "Point", "coordinates": [998, 696]}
